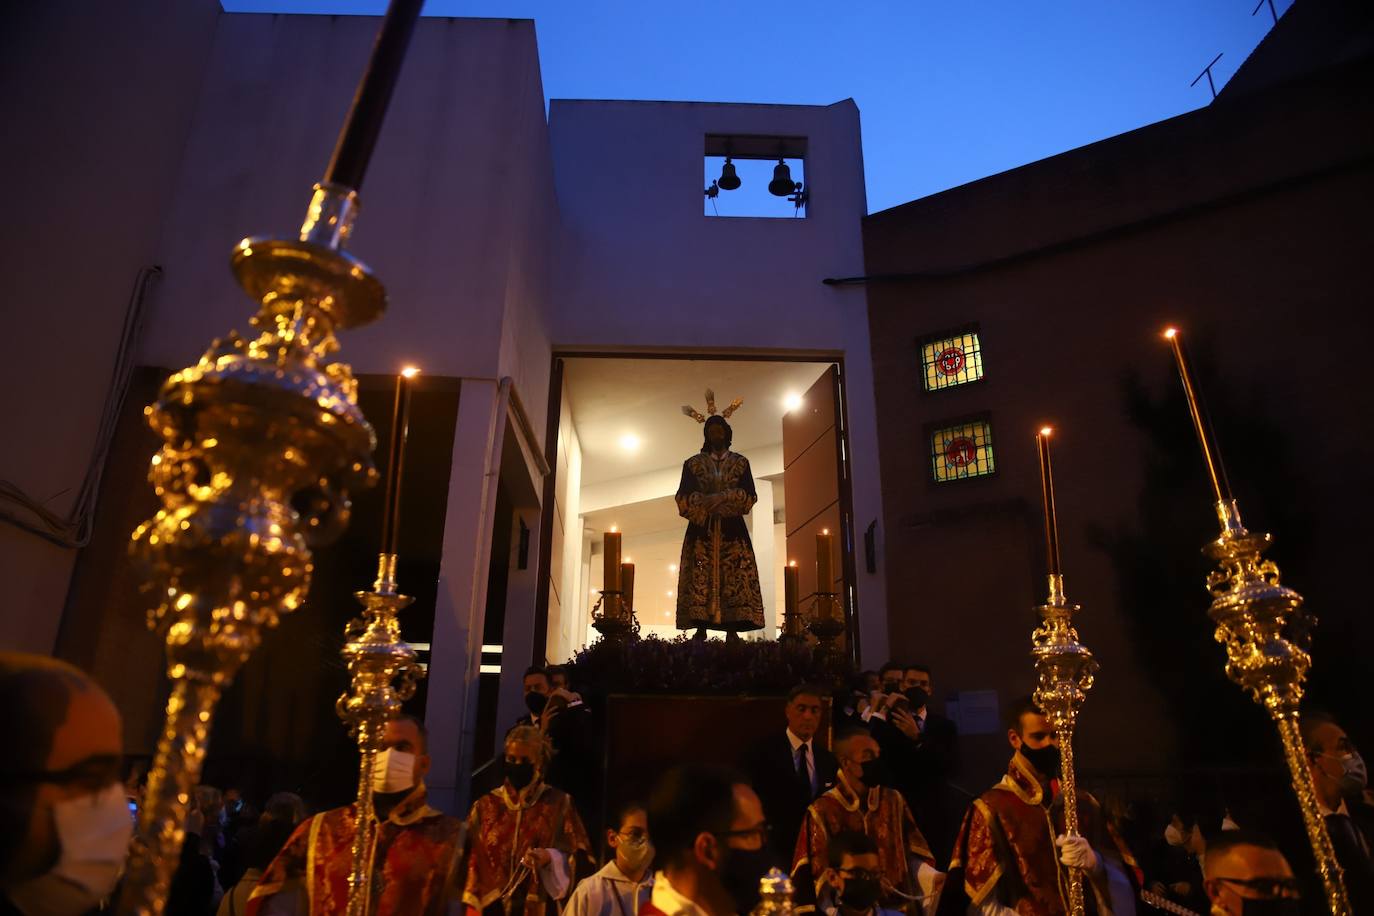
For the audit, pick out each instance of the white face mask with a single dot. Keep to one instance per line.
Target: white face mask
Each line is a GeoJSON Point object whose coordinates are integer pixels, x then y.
{"type": "Point", "coordinates": [636, 854]}
{"type": "Point", "coordinates": [393, 771]}
{"type": "Point", "coordinates": [93, 832]}
{"type": "Point", "coordinates": [1173, 836]}
{"type": "Point", "coordinates": [1353, 776]}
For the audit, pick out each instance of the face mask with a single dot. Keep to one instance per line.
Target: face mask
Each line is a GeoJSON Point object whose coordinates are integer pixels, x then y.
{"type": "Point", "coordinates": [1173, 836]}
{"type": "Point", "coordinates": [519, 775]}
{"type": "Point", "coordinates": [917, 697]}
{"type": "Point", "coordinates": [636, 853]}
{"type": "Point", "coordinates": [892, 687]}
{"type": "Point", "coordinates": [393, 771]}
{"type": "Point", "coordinates": [741, 872]}
{"type": "Point", "coordinates": [1045, 759]}
{"type": "Point", "coordinates": [535, 702]}
{"type": "Point", "coordinates": [861, 893]}
{"type": "Point", "coordinates": [93, 832]}
{"type": "Point", "coordinates": [1353, 774]}
{"type": "Point", "coordinates": [875, 773]}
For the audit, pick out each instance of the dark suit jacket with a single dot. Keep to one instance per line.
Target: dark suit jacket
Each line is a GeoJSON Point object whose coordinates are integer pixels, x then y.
{"type": "Point", "coordinates": [1350, 852]}
{"type": "Point", "coordinates": [921, 771]}
{"type": "Point", "coordinates": [773, 771]}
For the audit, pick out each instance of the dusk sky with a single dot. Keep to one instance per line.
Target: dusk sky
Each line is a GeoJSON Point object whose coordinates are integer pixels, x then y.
{"type": "Point", "coordinates": [949, 92]}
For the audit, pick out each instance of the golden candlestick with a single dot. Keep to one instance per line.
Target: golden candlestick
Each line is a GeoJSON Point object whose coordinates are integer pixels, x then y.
{"type": "Point", "coordinates": [262, 441]}
{"type": "Point", "coordinates": [1064, 665]}
{"type": "Point", "coordinates": [384, 674]}
{"type": "Point", "coordinates": [1265, 631]}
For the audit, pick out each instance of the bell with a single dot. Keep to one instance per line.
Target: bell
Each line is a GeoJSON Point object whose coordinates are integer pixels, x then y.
{"type": "Point", "coordinates": [782, 183]}
{"type": "Point", "coordinates": [728, 180]}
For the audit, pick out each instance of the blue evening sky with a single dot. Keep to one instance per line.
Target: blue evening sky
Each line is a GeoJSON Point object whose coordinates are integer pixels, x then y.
{"type": "Point", "coordinates": [949, 91]}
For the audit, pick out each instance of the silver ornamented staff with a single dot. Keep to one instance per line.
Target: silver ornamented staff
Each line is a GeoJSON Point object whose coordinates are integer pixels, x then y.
{"type": "Point", "coordinates": [262, 441]}
{"type": "Point", "coordinates": [382, 666]}
{"type": "Point", "coordinates": [1064, 665]}
{"type": "Point", "coordinates": [1265, 631]}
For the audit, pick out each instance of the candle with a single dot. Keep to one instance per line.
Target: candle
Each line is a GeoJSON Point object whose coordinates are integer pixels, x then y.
{"type": "Point", "coordinates": [791, 618]}
{"type": "Point", "coordinates": [400, 423]}
{"type": "Point", "coordinates": [611, 575]}
{"type": "Point", "coordinates": [1042, 445]}
{"type": "Point", "coordinates": [627, 588]}
{"type": "Point", "coordinates": [825, 570]}
{"type": "Point", "coordinates": [1205, 437]}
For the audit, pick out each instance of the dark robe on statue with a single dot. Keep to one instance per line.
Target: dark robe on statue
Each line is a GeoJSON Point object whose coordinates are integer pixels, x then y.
{"type": "Point", "coordinates": [718, 577]}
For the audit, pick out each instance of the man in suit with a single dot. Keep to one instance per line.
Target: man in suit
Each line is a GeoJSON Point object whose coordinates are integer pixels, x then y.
{"type": "Point", "coordinates": [789, 771]}
{"type": "Point", "coordinates": [1339, 776]}
{"type": "Point", "coordinates": [920, 745]}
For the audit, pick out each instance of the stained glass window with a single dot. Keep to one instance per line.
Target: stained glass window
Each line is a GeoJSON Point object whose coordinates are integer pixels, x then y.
{"type": "Point", "coordinates": [962, 451]}
{"type": "Point", "coordinates": [952, 358]}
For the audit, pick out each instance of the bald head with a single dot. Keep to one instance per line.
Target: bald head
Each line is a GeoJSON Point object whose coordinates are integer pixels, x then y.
{"type": "Point", "coordinates": [64, 739]}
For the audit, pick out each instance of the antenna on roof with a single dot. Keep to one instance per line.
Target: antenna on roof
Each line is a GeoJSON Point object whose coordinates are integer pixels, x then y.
{"type": "Point", "coordinates": [1271, 9]}
{"type": "Point", "coordinates": [1207, 72]}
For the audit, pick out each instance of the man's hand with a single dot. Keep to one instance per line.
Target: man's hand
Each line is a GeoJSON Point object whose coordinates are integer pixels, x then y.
{"type": "Point", "coordinates": [906, 723]}
{"type": "Point", "coordinates": [537, 858]}
{"type": "Point", "coordinates": [1077, 852]}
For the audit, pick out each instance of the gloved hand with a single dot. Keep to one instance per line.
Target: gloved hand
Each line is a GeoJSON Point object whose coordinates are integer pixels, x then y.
{"type": "Point", "coordinates": [1077, 852]}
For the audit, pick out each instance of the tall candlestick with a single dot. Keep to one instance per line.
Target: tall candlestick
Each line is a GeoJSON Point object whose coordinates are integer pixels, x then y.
{"type": "Point", "coordinates": [1042, 446]}
{"type": "Point", "coordinates": [400, 423]}
{"type": "Point", "coordinates": [627, 589]}
{"type": "Point", "coordinates": [791, 618]}
{"type": "Point", "coordinates": [825, 570]}
{"type": "Point", "coordinates": [1205, 436]}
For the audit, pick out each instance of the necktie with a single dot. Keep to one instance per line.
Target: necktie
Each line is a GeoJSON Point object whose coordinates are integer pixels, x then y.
{"type": "Point", "coordinates": [804, 770]}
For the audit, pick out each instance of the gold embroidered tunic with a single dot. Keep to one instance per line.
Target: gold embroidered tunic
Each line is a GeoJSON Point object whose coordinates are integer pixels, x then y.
{"type": "Point", "coordinates": [718, 576]}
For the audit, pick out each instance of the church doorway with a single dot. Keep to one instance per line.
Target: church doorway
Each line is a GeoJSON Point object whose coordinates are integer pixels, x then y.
{"type": "Point", "coordinates": [618, 438]}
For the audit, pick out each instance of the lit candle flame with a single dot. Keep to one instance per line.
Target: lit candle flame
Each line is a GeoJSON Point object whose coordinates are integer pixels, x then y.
{"type": "Point", "coordinates": [1169, 333]}
{"type": "Point", "coordinates": [410, 371]}
{"type": "Point", "coordinates": [1046, 431]}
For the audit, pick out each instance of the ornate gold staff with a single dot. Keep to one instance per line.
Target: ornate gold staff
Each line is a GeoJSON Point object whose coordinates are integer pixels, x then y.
{"type": "Point", "coordinates": [382, 666]}
{"type": "Point", "coordinates": [1064, 665]}
{"type": "Point", "coordinates": [1252, 610]}
{"type": "Point", "coordinates": [262, 440]}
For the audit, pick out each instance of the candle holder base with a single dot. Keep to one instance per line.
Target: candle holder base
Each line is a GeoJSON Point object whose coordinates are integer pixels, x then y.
{"type": "Point", "coordinates": [827, 629]}
{"type": "Point", "coordinates": [610, 622]}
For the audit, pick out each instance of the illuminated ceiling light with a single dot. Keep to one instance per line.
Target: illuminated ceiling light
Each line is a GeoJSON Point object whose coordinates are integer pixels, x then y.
{"type": "Point", "coordinates": [630, 442]}
{"type": "Point", "coordinates": [672, 567]}
{"type": "Point", "coordinates": [791, 401]}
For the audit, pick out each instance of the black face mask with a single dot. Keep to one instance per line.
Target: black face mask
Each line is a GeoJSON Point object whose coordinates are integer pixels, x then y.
{"type": "Point", "coordinates": [861, 893]}
{"type": "Point", "coordinates": [1045, 759]}
{"type": "Point", "coordinates": [519, 775]}
{"type": "Point", "coordinates": [740, 873]}
{"type": "Point", "coordinates": [1275, 906]}
{"type": "Point", "coordinates": [535, 702]}
{"type": "Point", "coordinates": [876, 773]}
{"type": "Point", "coordinates": [917, 697]}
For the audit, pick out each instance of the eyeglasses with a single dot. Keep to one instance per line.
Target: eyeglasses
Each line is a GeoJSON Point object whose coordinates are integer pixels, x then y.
{"type": "Point", "coordinates": [93, 773]}
{"type": "Point", "coordinates": [1267, 887]}
{"type": "Point", "coordinates": [762, 831]}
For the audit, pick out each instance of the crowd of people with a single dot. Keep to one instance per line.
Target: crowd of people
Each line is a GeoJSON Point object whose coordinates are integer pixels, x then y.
{"type": "Point", "coordinates": [860, 824]}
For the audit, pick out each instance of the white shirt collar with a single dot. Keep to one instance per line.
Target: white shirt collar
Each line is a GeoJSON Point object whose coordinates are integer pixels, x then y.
{"type": "Point", "coordinates": [667, 899]}
{"type": "Point", "coordinates": [797, 742]}
{"type": "Point", "coordinates": [611, 872]}
{"type": "Point", "coordinates": [1325, 811]}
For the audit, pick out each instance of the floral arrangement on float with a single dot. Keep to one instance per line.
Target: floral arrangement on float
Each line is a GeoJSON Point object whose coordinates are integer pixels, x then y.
{"type": "Point", "coordinates": [710, 667]}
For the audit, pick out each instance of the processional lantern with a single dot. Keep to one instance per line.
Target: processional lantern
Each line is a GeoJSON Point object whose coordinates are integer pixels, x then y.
{"type": "Point", "coordinates": [262, 442]}
{"type": "Point", "coordinates": [1064, 666]}
{"type": "Point", "coordinates": [1265, 631]}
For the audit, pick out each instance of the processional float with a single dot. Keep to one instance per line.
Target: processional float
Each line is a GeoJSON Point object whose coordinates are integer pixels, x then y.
{"type": "Point", "coordinates": [262, 442]}
{"type": "Point", "coordinates": [1064, 666]}
{"type": "Point", "coordinates": [1265, 631]}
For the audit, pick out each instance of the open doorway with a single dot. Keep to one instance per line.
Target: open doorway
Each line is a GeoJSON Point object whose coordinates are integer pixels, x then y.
{"type": "Point", "coordinates": [622, 438]}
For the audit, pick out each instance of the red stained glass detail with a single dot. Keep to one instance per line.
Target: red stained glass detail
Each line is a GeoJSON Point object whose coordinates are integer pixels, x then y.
{"type": "Point", "coordinates": [950, 361]}
{"type": "Point", "coordinates": [960, 452]}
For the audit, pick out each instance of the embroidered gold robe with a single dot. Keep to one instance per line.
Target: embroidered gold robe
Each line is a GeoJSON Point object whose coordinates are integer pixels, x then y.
{"type": "Point", "coordinates": [884, 816]}
{"type": "Point", "coordinates": [414, 861]}
{"type": "Point", "coordinates": [718, 576]}
{"type": "Point", "coordinates": [502, 828]}
{"type": "Point", "coordinates": [1006, 846]}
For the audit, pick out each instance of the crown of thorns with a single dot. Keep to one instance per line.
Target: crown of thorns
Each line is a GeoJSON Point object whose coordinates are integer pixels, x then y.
{"type": "Point", "coordinates": [700, 417]}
